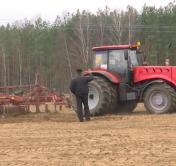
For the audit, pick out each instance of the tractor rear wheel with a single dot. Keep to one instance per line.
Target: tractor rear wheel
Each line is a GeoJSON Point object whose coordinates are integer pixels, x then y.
{"type": "Point", "coordinates": [102, 96]}
{"type": "Point", "coordinates": [160, 99]}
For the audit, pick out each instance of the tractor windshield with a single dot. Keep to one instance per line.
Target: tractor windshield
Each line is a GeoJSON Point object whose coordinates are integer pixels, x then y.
{"type": "Point", "coordinates": [119, 64]}
{"type": "Point", "coordinates": [114, 59]}
{"type": "Point", "coordinates": [117, 61]}
{"type": "Point", "coordinates": [133, 57]}
{"type": "Point", "coordinates": [101, 59]}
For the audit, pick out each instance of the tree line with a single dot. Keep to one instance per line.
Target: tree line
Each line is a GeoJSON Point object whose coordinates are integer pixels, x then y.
{"type": "Point", "coordinates": [55, 50]}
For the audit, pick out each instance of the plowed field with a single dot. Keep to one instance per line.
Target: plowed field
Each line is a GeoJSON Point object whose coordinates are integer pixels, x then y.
{"type": "Point", "coordinates": [55, 139]}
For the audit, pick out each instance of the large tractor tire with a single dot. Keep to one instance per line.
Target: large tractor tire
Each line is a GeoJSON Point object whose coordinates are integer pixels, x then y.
{"type": "Point", "coordinates": [102, 96]}
{"type": "Point", "coordinates": [160, 99]}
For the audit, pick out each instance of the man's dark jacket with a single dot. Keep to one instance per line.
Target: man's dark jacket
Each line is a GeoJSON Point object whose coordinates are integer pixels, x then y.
{"type": "Point", "coordinates": [79, 85]}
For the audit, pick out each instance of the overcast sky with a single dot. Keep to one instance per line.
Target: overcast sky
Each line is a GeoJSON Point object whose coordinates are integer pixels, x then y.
{"type": "Point", "coordinates": [12, 10]}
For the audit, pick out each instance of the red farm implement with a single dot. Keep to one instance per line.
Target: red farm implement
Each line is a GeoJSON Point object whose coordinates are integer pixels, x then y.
{"type": "Point", "coordinates": [20, 98]}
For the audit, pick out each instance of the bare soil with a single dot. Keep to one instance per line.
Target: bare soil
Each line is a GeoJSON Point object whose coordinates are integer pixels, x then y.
{"type": "Point", "coordinates": [55, 139]}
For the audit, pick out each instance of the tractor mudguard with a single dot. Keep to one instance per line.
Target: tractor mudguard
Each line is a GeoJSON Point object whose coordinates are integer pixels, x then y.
{"type": "Point", "coordinates": [103, 73]}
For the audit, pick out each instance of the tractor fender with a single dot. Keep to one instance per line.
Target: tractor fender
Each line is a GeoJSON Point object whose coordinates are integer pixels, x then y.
{"type": "Point", "coordinates": [107, 75]}
{"type": "Point", "coordinates": [149, 83]}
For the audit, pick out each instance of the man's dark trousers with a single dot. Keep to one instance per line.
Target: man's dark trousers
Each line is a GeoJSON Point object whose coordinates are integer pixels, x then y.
{"type": "Point", "coordinates": [82, 99]}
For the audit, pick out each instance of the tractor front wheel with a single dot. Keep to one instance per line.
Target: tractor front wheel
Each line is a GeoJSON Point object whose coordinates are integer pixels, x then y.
{"type": "Point", "coordinates": [160, 99]}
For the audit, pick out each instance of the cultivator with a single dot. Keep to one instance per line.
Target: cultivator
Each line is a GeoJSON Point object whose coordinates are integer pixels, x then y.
{"type": "Point", "coordinates": [18, 99]}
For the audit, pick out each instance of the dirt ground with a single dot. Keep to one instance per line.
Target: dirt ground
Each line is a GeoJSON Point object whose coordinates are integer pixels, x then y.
{"type": "Point", "coordinates": [55, 139]}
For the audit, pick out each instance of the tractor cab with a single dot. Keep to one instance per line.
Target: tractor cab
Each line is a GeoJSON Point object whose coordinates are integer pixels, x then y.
{"type": "Point", "coordinates": [116, 58]}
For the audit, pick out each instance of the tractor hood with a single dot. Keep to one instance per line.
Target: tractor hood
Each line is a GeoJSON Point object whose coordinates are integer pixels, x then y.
{"type": "Point", "coordinates": [143, 73]}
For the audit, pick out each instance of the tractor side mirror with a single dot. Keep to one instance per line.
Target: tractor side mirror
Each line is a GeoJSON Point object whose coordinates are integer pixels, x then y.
{"type": "Point", "coordinates": [126, 54]}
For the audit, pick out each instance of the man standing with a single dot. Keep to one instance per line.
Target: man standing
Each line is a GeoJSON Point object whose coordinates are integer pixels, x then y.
{"type": "Point", "coordinates": [79, 87]}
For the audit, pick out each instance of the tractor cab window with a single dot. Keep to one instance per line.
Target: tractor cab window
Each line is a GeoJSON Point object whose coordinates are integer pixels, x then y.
{"type": "Point", "coordinates": [117, 61]}
{"type": "Point", "coordinates": [101, 59]}
{"type": "Point", "coordinates": [133, 57]}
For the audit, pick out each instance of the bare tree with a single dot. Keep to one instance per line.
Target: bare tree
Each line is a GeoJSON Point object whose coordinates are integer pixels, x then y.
{"type": "Point", "coordinates": [4, 66]}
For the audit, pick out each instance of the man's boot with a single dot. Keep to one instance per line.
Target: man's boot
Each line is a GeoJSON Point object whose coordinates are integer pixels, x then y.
{"type": "Point", "coordinates": [87, 118]}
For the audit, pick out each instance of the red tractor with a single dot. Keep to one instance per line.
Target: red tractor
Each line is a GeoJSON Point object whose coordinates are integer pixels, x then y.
{"type": "Point", "coordinates": [120, 83]}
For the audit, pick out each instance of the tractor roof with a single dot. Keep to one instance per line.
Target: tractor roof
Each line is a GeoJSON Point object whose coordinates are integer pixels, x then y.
{"type": "Point", "coordinates": [113, 47]}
